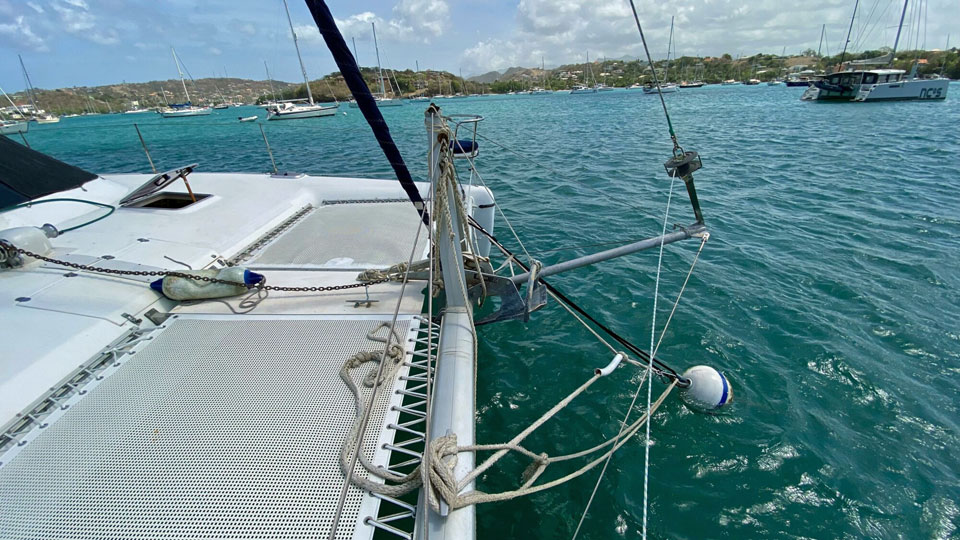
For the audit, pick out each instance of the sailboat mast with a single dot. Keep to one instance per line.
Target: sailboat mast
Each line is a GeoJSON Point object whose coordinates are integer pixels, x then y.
{"type": "Point", "coordinates": [180, 72]}
{"type": "Point", "coordinates": [850, 30]}
{"type": "Point", "coordinates": [273, 91]}
{"type": "Point", "coordinates": [666, 71]}
{"type": "Point", "coordinates": [899, 28]}
{"type": "Point", "coordinates": [217, 88]}
{"type": "Point", "coordinates": [376, 47]}
{"type": "Point", "coordinates": [355, 57]}
{"type": "Point", "coordinates": [823, 30]}
{"type": "Point", "coordinates": [26, 77]}
{"type": "Point", "coordinates": [21, 112]}
{"type": "Point", "coordinates": [590, 69]}
{"type": "Point", "coordinates": [303, 70]}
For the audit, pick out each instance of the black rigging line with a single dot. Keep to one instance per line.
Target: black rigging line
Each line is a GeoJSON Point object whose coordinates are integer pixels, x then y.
{"type": "Point", "coordinates": [661, 367]}
{"type": "Point", "coordinates": [677, 150]}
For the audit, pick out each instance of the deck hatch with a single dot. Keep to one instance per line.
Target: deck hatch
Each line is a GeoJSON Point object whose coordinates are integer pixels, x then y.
{"type": "Point", "coordinates": [217, 428]}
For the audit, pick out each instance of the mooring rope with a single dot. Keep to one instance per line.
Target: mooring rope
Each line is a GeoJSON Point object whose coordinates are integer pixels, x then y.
{"type": "Point", "coordinates": [437, 470]}
{"type": "Point", "coordinates": [653, 333]}
{"type": "Point", "coordinates": [648, 375]}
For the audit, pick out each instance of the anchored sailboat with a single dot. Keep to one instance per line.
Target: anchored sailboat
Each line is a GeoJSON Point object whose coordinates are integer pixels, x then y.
{"type": "Point", "coordinates": [541, 90]}
{"type": "Point", "coordinates": [10, 126]}
{"type": "Point", "coordinates": [289, 110]}
{"type": "Point", "coordinates": [381, 98]}
{"type": "Point", "coordinates": [187, 108]}
{"type": "Point", "coordinates": [38, 115]}
{"type": "Point", "coordinates": [583, 88]}
{"type": "Point", "coordinates": [665, 86]}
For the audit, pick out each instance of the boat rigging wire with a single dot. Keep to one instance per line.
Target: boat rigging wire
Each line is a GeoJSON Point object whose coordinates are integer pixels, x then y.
{"type": "Point", "coordinates": [678, 154]}
{"type": "Point", "coordinates": [649, 380]}
{"type": "Point", "coordinates": [660, 368]}
{"type": "Point", "coordinates": [677, 150]}
{"type": "Point", "coordinates": [547, 168]}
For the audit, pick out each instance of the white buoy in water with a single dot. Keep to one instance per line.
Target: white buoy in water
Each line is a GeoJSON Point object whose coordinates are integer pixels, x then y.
{"type": "Point", "coordinates": [708, 389]}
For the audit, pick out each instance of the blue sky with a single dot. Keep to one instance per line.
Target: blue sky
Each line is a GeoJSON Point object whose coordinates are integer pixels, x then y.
{"type": "Point", "coordinates": [93, 42]}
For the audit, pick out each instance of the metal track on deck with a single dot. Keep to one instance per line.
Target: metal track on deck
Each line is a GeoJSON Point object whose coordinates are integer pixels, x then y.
{"type": "Point", "coordinates": [214, 428]}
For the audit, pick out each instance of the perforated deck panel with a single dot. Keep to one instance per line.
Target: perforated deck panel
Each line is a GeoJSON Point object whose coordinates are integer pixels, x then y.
{"type": "Point", "coordinates": [354, 235]}
{"type": "Point", "coordinates": [215, 429]}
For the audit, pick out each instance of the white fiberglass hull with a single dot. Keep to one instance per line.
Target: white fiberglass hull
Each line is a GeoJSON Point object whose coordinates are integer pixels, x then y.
{"type": "Point", "coordinates": [666, 89]}
{"type": "Point", "coordinates": [181, 113]}
{"type": "Point", "coordinates": [302, 111]}
{"type": "Point", "coordinates": [916, 89]}
{"type": "Point", "coordinates": [584, 91]}
{"type": "Point", "coordinates": [48, 119]}
{"type": "Point", "coordinates": [9, 128]}
{"type": "Point", "coordinates": [389, 102]}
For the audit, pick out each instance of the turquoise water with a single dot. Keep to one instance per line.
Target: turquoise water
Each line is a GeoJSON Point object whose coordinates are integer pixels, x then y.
{"type": "Point", "coordinates": [828, 293]}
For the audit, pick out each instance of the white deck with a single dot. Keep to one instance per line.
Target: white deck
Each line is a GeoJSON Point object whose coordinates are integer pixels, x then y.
{"type": "Point", "coordinates": [235, 419]}
{"type": "Point", "coordinates": [217, 427]}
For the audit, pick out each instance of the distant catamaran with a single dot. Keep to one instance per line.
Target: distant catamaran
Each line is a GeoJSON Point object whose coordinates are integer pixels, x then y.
{"type": "Point", "coordinates": [291, 109]}
{"type": "Point", "coordinates": [885, 84]}
{"type": "Point", "coordinates": [187, 108]}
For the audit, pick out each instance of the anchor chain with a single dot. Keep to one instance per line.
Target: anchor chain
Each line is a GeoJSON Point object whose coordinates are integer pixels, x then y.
{"type": "Point", "coordinates": [262, 285]}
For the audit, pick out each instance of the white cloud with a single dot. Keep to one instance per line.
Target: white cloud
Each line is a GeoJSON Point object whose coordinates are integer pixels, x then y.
{"type": "Point", "coordinates": [563, 31]}
{"type": "Point", "coordinates": [35, 7]}
{"type": "Point", "coordinates": [354, 26]}
{"type": "Point", "coordinates": [421, 17]}
{"type": "Point", "coordinates": [76, 18]}
{"type": "Point", "coordinates": [411, 21]}
{"type": "Point", "coordinates": [215, 51]}
{"type": "Point", "coordinates": [19, 33]}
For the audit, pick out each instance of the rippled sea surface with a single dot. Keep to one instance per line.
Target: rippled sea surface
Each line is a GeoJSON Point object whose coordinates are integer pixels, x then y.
{"type": "Point", "coordinates": [829, 293]}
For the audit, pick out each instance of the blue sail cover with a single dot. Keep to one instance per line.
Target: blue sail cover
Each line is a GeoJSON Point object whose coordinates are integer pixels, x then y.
{"type": "Point", "coordinates": [351, 75]}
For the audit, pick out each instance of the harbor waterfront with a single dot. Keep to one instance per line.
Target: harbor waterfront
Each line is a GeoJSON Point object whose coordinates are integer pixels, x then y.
{"type": "Point", "coordinates": [828, 294]}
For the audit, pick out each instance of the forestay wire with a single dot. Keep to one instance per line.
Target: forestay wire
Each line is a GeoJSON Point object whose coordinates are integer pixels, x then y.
{"type": "Point", "coordinates": [677, 151]}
